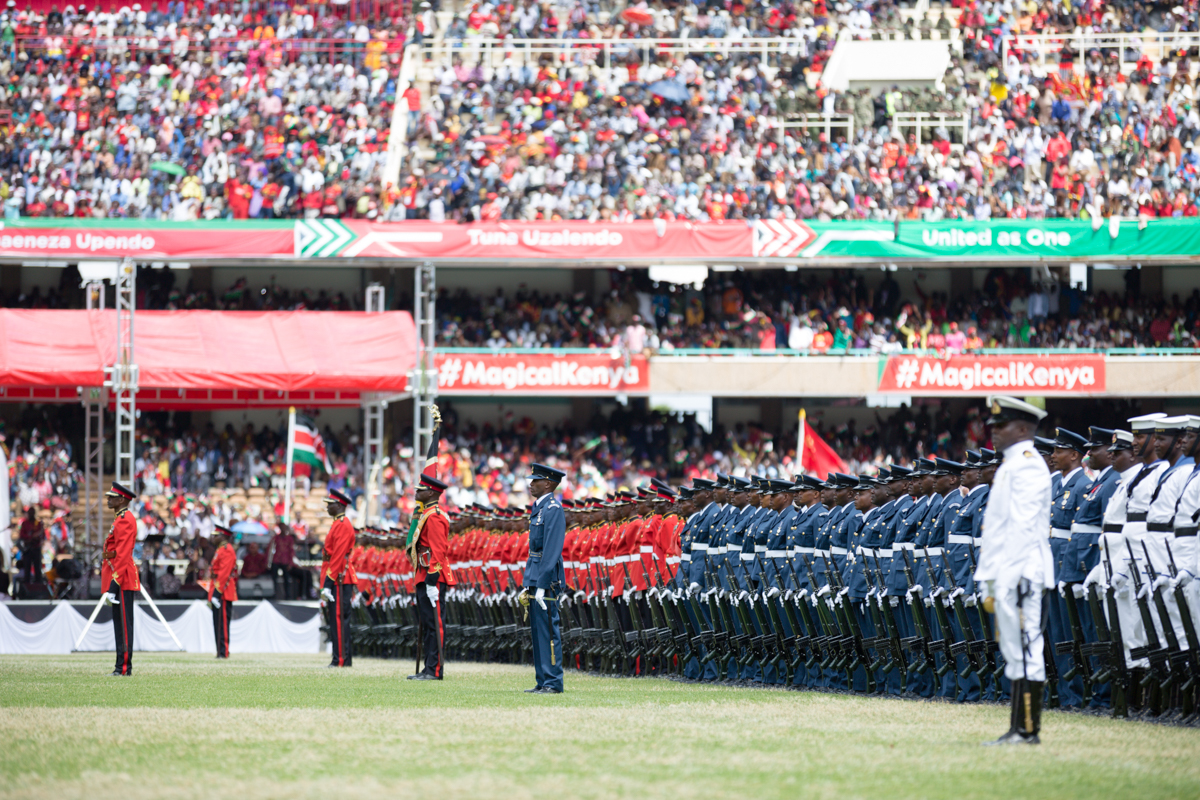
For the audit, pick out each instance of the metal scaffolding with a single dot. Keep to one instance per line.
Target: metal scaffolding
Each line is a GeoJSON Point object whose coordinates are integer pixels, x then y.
{"type": "Point", "coordinates": [94, 399]}
{"type": "Point", "coordinates": [424, 381]}
{"type": "Point", "coordinates": [374, 446]}
{"type": "Point", "coordinates": [123, 375]}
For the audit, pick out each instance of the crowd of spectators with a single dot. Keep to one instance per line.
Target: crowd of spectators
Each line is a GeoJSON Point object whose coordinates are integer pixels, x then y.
{"type": "Point", "coordinates": [807, 311]}
{"type": "Point", "coordinates": [276, 110]}
{"type": "Point", "coordinates": [822, 312]}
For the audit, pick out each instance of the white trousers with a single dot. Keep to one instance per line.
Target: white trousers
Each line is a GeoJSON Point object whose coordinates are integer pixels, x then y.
{"type": "Point", "coordinates": [1020, 630]}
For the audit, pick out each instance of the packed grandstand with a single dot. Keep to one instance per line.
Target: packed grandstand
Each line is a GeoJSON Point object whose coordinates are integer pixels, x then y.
{"type": "Point", "coordinates": [261, 110]}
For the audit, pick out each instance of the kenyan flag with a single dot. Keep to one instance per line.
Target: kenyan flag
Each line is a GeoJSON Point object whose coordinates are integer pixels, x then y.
{"type": "Point", "coordinates": [307, 446]}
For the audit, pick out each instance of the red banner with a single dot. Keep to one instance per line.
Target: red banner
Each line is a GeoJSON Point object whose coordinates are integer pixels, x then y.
{"type": "Point", "coordinates": [564, 240]}
{"type": "Point", "coordinates": [149, 242]}
{"type": "Point", "coordinates": [549, 374]}
{"type": "Point", "coordinates": [983, 375]}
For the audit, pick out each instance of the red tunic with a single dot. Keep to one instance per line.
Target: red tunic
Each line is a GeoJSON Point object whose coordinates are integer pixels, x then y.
{"type": "Point", "coordinates": [338, 545]}
{"type": "Point", "coordinates": [434, 534]}
{"type": "Point", "coordinates": [118, 554]}
{"type": "Point", "coordinates": [224, 573]}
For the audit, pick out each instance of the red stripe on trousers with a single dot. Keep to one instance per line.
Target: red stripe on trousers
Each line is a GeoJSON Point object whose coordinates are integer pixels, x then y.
{"type": "Point", "coordinates": [337, 597]}
{"type": "Point", "coordinates": [437, 612]}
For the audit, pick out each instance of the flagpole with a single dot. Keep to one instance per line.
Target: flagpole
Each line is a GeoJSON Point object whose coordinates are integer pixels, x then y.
{"type": "Point", "coordinates": [287, 490]}
{"type": "Point", "coordinates": [800, 443]}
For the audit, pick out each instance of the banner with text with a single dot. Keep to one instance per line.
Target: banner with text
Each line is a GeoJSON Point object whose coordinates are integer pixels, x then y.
{"type": "Point", "coordinates": [147, 241]}
{"type": "Point", "coordinates": [549, 374]}
{"type": "Point", "coordinates": [999, 374]}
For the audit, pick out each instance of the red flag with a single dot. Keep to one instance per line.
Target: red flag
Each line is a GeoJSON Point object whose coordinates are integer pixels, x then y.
{"type": "Point", "coordinates": [817, 457]}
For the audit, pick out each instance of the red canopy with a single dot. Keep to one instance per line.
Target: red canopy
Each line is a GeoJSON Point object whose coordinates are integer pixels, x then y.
{"type": "Point", "coordinates": [280, 351]}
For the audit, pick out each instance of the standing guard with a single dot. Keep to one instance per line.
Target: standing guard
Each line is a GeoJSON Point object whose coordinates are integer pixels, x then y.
{"type": "Point", "coordinates": [544, 578]}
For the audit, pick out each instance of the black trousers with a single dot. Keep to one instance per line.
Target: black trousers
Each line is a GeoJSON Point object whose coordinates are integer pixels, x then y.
{"type": "Point", "coordinates": [221, 617]}
{"type": "Point", "coordinates": [122, 617]}
{"type": "Point", "coordinates": [291, 582]}
{"type": "Point", "coordinates": [433, 629]}
{"type": "Point", "coordinates": [337, 614]}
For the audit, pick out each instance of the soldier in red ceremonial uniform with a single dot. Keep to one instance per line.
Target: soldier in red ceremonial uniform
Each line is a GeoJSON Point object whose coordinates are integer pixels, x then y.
{"type": "Point", "coordinates": [338, 579]}
{"type": "Point", "coordinates": [222, 591]}
{"type": "Point", "coordinates": [119, 574]}
{"type": "Point", "coordinates": [429, 550]}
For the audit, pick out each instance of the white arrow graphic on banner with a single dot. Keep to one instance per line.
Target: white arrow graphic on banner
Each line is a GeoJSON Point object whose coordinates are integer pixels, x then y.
{"type": "Point", "coordinates": [846, 236]}
{"type": "Point", "coordinates": [386, 239]}
{"type": "Point", "coordinates": [779, 238]}
{"type": "Point", "coordinates": [313, 236]}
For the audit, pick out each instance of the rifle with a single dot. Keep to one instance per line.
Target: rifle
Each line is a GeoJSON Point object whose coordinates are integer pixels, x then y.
{"type": "Point", "coordinates": [828, 643]}
{"type": "Point", "coordinates": [1154, 652]}
{"type": "Point", "coordinates": [939, 610]}
{"type": "Point", "coordinates": [989, 636]}
{"type": "Point", "coordinates": [1193, 644]}
{"type": "Point", "coordinates": [1075, 647]}
{"type": "Point", "coordinates": [923, 641]}
{"type": "Point", "coordinates": [1177, 657]}
{"type": "Point", "coordinates": [889, 618]}
{"type": "Point", "coordinates": [854, 644]}
{"type": "Point", "coordinates": [882, 643]}
{"type": "Point", "coordinates": [1110, 646]}
{"type": "Point", "coordinates": [972, 648]}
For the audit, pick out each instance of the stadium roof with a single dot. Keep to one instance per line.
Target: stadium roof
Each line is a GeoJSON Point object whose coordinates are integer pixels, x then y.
{"type": "Point", "coordinates": [880, 64]}
{"type": "Point", "coordinates": [274, 351]}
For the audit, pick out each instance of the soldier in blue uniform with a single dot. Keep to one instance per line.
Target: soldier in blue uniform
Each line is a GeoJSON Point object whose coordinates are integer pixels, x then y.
{"type": "Point", "coordinates": [1082, 553]}
{"type": "Point", "coordinates": [1069, 450]}
{"type": "Point", "coordinates": [545, 578]}
{"type": "Point", "coordinates": [960, 539]}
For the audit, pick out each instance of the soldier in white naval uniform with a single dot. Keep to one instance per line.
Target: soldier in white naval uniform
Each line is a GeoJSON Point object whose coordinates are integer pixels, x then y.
{"type": "Point", "coordinates": [1015, 563]}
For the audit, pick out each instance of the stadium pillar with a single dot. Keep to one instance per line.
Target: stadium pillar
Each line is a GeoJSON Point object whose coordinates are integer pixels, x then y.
{"type": "Point", "coordinates": [424, 381]}
{"type": "Point", "coordinates": [10, 280]}
{"type": "Point", "coordinates": [374, 445]}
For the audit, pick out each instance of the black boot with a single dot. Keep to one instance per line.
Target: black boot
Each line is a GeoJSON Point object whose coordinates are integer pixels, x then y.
{"type": "Point", "coordinates": [1033, 723]}
{"type": "Point", "coordinates": [1014, 711]}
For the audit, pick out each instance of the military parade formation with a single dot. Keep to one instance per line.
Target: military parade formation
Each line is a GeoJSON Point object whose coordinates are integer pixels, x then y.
{"type": "Point", "coordinates": [1052, 572]}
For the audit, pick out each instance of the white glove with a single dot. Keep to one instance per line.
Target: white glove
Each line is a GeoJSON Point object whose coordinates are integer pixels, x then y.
{"type": "Point", "coordinates": [823, 591]}
{"type": "Point", "coordinates": [432, 593]}
{"type": "Point", "coordinates": [916, 587]}
{"type": "Point", "coordinates": [957, 593]}
{"type": "Point", "coordinates": [357, 600]}
{"type": "Point", "coordinates": [1160, 581]}
{"type": "Point", "coordinates": [327, 594]}
{"type": "Point", "coordinates": [540, 597]}
{"type": "Point", "coordinates": [1119, 579]}
{"type": "Point", "coordinates": [693, 587]}
{"type": "Point", "coordinates": [110, 599]}
{"type": "Point", "coordinates": [773, 592]}
{"type": "Point", "coordinates": [1077, 589]}
{"type": "Point", "coordinates": [1062, 589]}
{"type": "Point", "coordinates": [579, 595]}
{"type": "Point", "coordinates": [1182, 579]}
{"type": "Point", "coordinates": [1094, 578]}
{"type": "Point", "coordinates": [216, 601]}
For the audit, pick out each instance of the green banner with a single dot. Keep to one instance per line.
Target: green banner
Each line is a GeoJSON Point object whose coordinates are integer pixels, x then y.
{"type": "Point", "coordinates": [1005, 240]}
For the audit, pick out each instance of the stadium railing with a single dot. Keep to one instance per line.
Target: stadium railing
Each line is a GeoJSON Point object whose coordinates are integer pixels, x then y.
{"type": "Point", "coordinates": [1129, 46]}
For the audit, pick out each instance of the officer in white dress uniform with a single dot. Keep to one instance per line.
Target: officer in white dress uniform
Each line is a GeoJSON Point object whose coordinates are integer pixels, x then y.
{"type": "Point", "coordinates": [1015, 563]}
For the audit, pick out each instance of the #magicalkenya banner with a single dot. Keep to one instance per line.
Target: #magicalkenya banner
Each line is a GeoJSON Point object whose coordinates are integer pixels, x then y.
{"type": "Point", "coordinates": [999, 374]}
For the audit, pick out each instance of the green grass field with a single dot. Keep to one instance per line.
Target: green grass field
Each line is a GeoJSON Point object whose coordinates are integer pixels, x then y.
{"type": "Point", "coordinates": [284, 727]}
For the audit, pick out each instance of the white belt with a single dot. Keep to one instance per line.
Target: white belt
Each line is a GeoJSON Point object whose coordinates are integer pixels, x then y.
{"type": "Point", "coordinates": [746, 556]}
{"type": "Point", "coordinates": [684, 557]}
{"type": "Point", "coordinates": [905, 546]}
{"type": "Point", "coordinates": [568, 565]}
{"type": "Point", "coordinates": [507, 567]}
{"type": "Point", "coordinates": [918, 552]}
{"type": "Point", "coordinates": [1060, 533]}
{"type": "Point", "coordinates": [870, 551]}
{"type": "Point", "coordinates": [646, 549]}
{"type": "Point", "coordinates": [722, 550]}
{"type": "Point", "coordinates": [805, 550]}
{"type": "Point", "coordinates": [819, 552]}
{"type": "Point", "coordinates": [933, 551]}
{"type": "Point", "coordinates": [978, 541]}
{"type": "Point", "coordinates": [958, 538]}
{"type": "Point", "coordinates": [1077, 527]}
{"type": "Point", "coordinates": [699, 547]}
{"type": "Point", "coordinates": [406, 576]}
{"type": "Point", "coordinates": [760, 548]}
{"type": "Point", "coordinates": [777, 554]}
{"type": "Point", "coordinates": [622, 559]}
{"type": "Point", "coordinates": [839, 551]}
{"type": "Point", "coordinates": [596, 560]}
{"type": "Point", "coordinates": [676, 559]}
{"type": "Point", "coordinates": [495, 563]}
{"type": "Point", "coordinates": [885, 552]}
